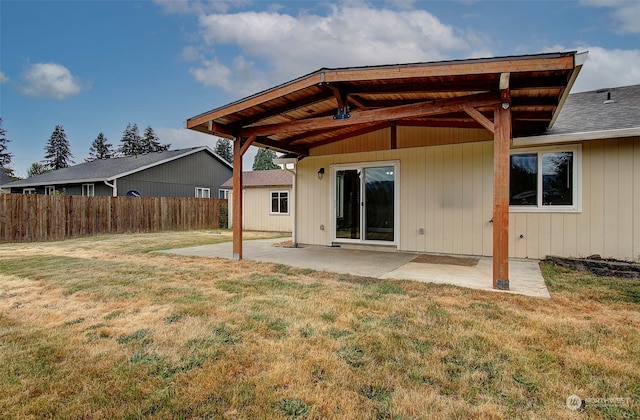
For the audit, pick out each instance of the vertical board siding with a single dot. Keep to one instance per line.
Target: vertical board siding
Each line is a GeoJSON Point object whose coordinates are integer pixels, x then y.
{"type": "Point", "coordinates": [257, 208]}
{"type": "Point", "coordinates": [447, 190]}
{"type": "Point", "coordinates": [30, 218]}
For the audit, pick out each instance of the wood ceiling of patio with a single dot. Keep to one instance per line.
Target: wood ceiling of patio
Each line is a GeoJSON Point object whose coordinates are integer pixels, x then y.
{"type": "Point", "coordinates": [304, 113]}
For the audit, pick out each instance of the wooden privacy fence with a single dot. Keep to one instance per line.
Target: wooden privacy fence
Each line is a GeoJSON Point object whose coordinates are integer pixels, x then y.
{"type": "Point", "coordinates": [31, 218]}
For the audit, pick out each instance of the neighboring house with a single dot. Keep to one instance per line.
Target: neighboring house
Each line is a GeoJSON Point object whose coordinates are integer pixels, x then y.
{"type": "Point", "coordinates": [486, 156]}
{"type": "Point", "coordinates": [193, 172]}
{"type": "Point", "coordinates": [4, 179]}
{"type": "Point", "coordinates": [267, 200]}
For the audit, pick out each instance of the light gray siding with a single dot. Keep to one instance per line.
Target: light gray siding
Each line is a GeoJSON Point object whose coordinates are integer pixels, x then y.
{"type": "Point", "coordinates": [178, 178]}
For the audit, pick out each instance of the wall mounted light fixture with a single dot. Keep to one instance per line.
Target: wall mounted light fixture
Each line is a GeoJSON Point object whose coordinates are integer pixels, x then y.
{"type": "Point", "coordinates": [320, 173]}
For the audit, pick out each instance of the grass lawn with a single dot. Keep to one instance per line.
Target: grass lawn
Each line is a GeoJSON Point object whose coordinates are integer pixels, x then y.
{"type": "Point", "coordinates": [104, 328]}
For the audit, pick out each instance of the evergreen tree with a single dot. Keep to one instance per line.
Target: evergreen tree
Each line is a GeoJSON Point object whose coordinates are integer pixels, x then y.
{"type": "Point", "coordinates": [100, 149]}
{"type": "Point", "coordinates": [151, 142]}
{"type": "Point", "coordinates": [264, 160]}
{"type": "Point", "coordinates": [5, 156]}
{"type": "Point", "coordinates": [57, 151]}
{"type": "Point", "coordinates": [224, 150]}
{"type": "Point", "coordinates": [37, 168]}
{"type": "Point", "coordinates": [131, 142]}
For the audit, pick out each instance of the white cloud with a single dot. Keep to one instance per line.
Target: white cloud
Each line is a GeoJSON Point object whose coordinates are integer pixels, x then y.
{"type": "Point", "coordinates": [198, 7]}
{"type": "Point", "coordinates": [624, 13]}
{"type": "Point", "coordinates": [608, 68]}
{"type": "Point", "coordinates": [351, 34]}
{"type": "Point", "coordinates": [3, 78]}
{"type": "Point", "coordinates": [191, 53]}
{"type": "Point", "coordinates": [50, 80]}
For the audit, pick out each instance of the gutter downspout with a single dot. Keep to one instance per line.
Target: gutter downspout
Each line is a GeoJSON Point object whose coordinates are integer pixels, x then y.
{"type": "Point", "coordinates": [113, 187]}
{"type": "Point", "coordinates": [294, 242]}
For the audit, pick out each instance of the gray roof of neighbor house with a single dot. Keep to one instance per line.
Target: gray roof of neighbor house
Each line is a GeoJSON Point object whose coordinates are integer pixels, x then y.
{"type": "Point", "coordinates": [271, 178]}
{"type": "Point", "coordinates": [110, 169]}
{"type": "Point", "coordinates": [4, 178]}
{"type": "Point", "coordinates": [599, 110]}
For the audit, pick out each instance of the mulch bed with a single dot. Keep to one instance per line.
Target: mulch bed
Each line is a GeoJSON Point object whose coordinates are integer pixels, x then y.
{"type": "Point", "coordinates": [446, 259]}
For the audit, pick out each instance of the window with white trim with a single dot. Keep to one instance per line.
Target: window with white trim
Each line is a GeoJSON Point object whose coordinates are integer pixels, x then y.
{"type": "Point", "coordinates": [203, 192]}
{"type": "Point", "coordinates": [545, 179]}
{"type": "Point", "coordinates": [279, 202]}
{"type": "Point", "coordinates": [49, 190]}
{"type": "Point", "coordinates": [88, 190]}
{"type": "Point", "coordinates": [223, 194]}
{"type": "Point", "coordinates": [28, 191]}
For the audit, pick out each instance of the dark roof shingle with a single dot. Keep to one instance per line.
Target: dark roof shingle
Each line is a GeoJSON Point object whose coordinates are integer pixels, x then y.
{"type": "Point", "coordinates": [591, 111]}
{"type": "Point", "coordinates": [108, 169]}
{"type": "Point", "coordinates": [271, 178]}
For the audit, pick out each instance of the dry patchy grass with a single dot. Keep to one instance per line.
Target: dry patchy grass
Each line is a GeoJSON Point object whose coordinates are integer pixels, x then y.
{"type": "Point", "coordinates": [102, 328]}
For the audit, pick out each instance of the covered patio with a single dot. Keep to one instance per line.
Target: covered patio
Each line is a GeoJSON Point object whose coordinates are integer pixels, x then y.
{"type": "Point", "coordinates": [504, 96]}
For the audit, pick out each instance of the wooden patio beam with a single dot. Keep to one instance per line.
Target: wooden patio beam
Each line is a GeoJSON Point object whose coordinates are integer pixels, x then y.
{"type": "Point", "coordinates": [480, 119]}
{"type": "Point", "coordinates": [288, 107]}
{"type": "Point", "coordinates": [237, 199]}
{"type": "Point", "coordinates": [339, 94]}
{"type": "Point", "coordinates": [283, 146]}
{"type": "Point", "coordinates": [220, 130]}
{"type": "Point", "coordinates": [377, 115]}
{"type": "Point", "coordinates": [501, 164]}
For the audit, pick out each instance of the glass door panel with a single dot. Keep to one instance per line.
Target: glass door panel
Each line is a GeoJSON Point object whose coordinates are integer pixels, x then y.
{"type": "Point", "coordinates": [379, 184]}
{"type": "Point", "coordinates": [348, 187]}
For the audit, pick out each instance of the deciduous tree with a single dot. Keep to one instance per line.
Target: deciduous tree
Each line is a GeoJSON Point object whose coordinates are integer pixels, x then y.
{"type": "Point", "coordinates": [264, 160]}
{"type": "Point", "coordinates": [224, 150]}
{"type": "Point", "coordinates": [37, 168]}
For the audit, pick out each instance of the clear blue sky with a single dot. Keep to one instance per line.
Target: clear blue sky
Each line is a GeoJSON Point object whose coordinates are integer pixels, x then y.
{"type": "Point", "coordinates": [94, 66]}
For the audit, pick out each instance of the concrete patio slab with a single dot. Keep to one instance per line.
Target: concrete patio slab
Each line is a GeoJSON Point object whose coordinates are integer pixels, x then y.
{"type": "Point", "coordinates": [524, 275]}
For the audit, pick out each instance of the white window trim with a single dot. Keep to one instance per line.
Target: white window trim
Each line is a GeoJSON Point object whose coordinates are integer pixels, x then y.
{"type": "Point", "coordinates": [28, 191]}
{"type": "Point", "coordinates": [333, 169]}
{"type": "Point", "coordinates": [49, 190]}
{"type": "Point", "coordinates": [225, 194]}
{"type": "Point", "coordinates": [577, 180]}
{"type": "Point", "coordinates": [203, 189]}
{"type": "Point", "coordinates": [93, 190]}
{"type": "Point", "coordinates": [279, 213]}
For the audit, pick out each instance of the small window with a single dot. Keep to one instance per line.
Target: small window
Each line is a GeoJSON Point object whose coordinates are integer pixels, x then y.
{"type": "Point", "coordinates": [279, 202]}
{"type": "Point", "coordinates": [29, 191]}
{"type": "Point", "coordinates": [49, 190]}
{"type": "Point", "coordinates": [203, 192]}
{"type": "Point", "coordinates": [88, 190]}
{"type": "Point", "coordinates": [223, 194]}
{"type": "Point", "coordinates": [545, 180]}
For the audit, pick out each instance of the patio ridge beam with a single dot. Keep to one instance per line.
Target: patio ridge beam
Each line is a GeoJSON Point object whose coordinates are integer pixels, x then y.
{"type": "Point", "coordinates": [432, 107]}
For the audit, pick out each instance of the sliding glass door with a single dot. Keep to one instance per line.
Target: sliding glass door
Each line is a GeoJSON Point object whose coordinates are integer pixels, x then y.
{"type": "Point", "coordinates": [365, 203]}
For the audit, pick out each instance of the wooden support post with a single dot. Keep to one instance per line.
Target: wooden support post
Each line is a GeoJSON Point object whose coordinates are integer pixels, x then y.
{"type": "Point", "coordinates": [501, 164]}
{"type": "Point", "coordinates": [240, 146]}
{"type": "Point", "coordinates": [237, 198]}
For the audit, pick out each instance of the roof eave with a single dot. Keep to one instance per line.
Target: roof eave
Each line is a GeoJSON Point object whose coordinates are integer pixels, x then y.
{"type": "Point", "coordinates": [550, 139]}
{"type": "Point", "coordinates": [578, 61]}
{"type": "Point", "coordinates": [536, 62]}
